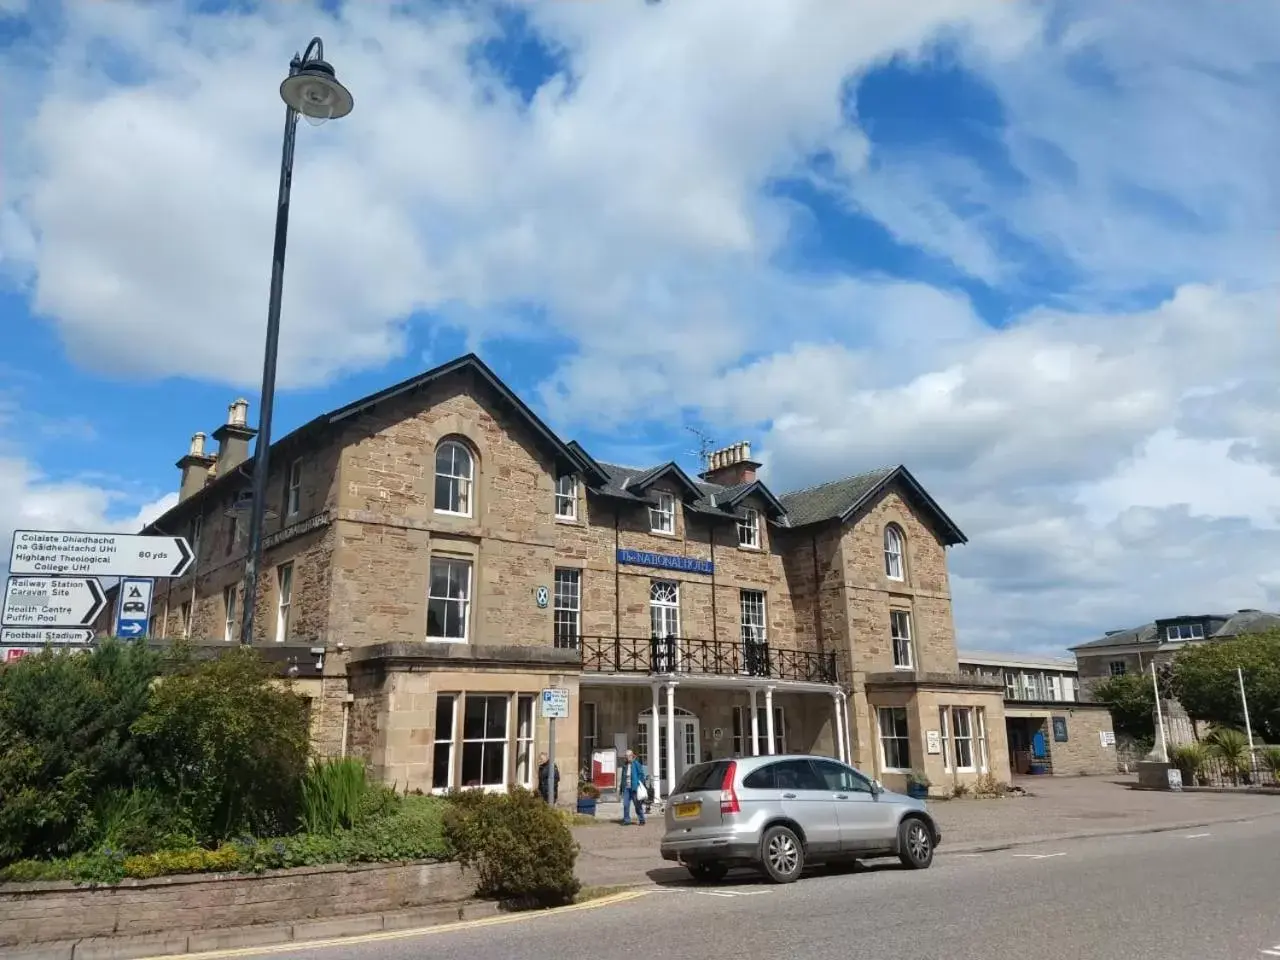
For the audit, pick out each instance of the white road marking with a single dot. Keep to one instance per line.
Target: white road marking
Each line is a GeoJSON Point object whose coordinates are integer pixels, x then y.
{"type": "Point", "coordinates": [966, 854]}
{"type": "Point", "coordinates": [1196, 836]}
{"type": "Point", "coordinates": [715, 893]}
{"type": "Point", "coordinates": [1039, 856]}
{"type": "Point", "coordinates": [1273, 952]}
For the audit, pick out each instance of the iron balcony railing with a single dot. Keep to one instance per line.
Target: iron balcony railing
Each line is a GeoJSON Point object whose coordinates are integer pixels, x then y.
{"type": "Point", "coordinates": [726, 658]}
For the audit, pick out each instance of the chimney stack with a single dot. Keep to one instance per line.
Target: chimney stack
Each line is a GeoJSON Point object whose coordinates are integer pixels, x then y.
{"type": "Point", "coordinates": [731, 465]}
{"type": "Point", "coordinates": [233, 437]}
{"type": "Point", "coordinates": [195, 468]}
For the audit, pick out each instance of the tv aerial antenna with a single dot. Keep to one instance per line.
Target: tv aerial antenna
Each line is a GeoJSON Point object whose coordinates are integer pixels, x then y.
{"type": "Point", "coordinates": [706, 446]}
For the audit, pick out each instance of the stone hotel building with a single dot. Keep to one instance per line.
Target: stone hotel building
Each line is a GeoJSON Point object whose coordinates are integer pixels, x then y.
{"type": "Point", "coordinates": [435, 556]}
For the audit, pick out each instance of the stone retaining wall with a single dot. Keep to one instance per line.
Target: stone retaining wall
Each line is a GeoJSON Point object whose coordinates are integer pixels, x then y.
{"type": "Point", "coordinates": [32, 913]}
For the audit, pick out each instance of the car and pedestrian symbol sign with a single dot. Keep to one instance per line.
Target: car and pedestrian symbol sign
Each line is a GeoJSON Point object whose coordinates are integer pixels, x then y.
{"type": "Point", "coordinates": [135, 607]}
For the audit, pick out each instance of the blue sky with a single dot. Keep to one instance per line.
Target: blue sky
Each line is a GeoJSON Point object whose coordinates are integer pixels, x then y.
{"type": "Point", "coordinates": [1027, 249]}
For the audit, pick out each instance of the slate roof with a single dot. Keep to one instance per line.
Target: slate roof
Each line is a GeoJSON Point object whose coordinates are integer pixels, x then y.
{"type": "Point", "coordinates": [829, 501]}
{"type": "Point", "coordinates": [1232, 625]}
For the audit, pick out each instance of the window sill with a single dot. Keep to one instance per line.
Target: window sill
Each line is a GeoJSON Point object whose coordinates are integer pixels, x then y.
{"type": "Point", "coordinates": [568, 521]}
{"type": "Point", "coordinates": [450, 513]}
{"type": "Point", "coordinates": [898, 770]}
{"type": "Point", "coordinates": [446, 639]}
{"type": "Point", "coordinates": [905, 667]}
{"type": "Point", "coordinates": [669, 534]}
{"type": "Point", "coordinates": [753, 549]}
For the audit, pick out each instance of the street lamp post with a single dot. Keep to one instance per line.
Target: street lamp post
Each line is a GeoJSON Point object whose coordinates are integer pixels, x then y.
{"type": "Point", "coordinates": [311, 90]}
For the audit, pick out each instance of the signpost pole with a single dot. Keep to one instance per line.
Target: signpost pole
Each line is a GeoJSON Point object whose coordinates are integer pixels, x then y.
{"type": "Point", "coordinates": [551, 761]}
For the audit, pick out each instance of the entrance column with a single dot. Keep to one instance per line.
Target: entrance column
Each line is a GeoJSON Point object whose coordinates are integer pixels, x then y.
{"type": "Point", "coordinates": [671, 737]}
{"type": "Point", "coordinates": [837, 729]}
{"type": "Point", "coordinates": [846, 741]}
{"type": "Point", "coordinates": [768, 719]}
{"type": "Point", "coordinates": [755, 725]}
{"type": "Point", "coordinates": [655, 755]}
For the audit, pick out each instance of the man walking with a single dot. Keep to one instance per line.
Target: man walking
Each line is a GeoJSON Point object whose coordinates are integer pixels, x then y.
{"type": "Point", "coordinates": [548, 779]}
{"type": "Point", "coordinates": [631, 781]}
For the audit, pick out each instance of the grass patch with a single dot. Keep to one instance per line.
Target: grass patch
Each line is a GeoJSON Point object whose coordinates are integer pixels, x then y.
{"type": "Point", "coordinates": [587, 894]}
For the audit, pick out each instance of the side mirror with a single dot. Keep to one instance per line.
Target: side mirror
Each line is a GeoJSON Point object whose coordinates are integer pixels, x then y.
{"type": "Point", "coordinates": [877, 788]}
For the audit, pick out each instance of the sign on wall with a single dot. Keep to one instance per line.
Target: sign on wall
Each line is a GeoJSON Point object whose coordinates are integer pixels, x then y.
{"type": "Point", "coordinates": [542, 596]}
{"type": "Point", "coordinates": [933, 741]}
{"type": "Point", "coordinates": [1107, 737]}
{"type": "Point", "coordinates": [1060, 729]}
{"type": "Point", "coordinates": [643, 558]}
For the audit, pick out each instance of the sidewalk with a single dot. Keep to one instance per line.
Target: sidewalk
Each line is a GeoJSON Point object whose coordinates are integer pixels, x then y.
{"type": "Point", "coordinates": [1056, 808]}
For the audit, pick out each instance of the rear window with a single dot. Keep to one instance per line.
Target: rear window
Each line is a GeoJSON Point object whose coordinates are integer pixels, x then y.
{"type": "Point", "coordinates": [705, 776]}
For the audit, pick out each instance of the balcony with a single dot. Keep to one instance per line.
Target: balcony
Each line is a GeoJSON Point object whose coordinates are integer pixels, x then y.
{"type": "Point", "coordinates": [725, 658]}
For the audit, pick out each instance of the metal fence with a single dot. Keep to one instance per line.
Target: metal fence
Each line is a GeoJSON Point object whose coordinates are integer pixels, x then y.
{"type": "Point", "coordinates": [674, 655]}
{"type": "Point", "coordinates": [1255, 771]}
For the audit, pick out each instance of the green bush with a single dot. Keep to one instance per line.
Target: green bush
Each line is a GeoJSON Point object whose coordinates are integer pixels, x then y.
{"type": "Point", "coordinates": [519, 846]}
{"type": "Point", "coordinates": [227, 744]}
{"type": "Point", "coordinates": [332, 793]}
{"type": "Point", "coordinates": [1190, 759]}
{"type": "Point", "coordinates": [413, 830]}
{"type": "Point", "coordinates": [66, 729]}
{"type": "Point", "coordinates": [1271, 760]}
{"type": "Point", "coordinates": [1231, 747]}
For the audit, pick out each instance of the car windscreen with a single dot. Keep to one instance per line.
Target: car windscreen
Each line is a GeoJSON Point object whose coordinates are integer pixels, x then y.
{"type": "Point", "coordinates": [705, 776]}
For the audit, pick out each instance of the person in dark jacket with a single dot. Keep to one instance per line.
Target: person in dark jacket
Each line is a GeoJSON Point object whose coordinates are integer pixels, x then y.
{"type": "Point", "coordinates": [548, 779]}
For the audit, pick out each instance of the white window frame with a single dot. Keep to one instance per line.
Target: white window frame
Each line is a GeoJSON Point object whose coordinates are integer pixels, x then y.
{"type": "Point", "coordinates": [749, 529]}
{"type": "Point", "coordinates": [448, 739]}
{"type": "Point", "coordinates": [753, 617]}
{"type": "Point", "coordinates": [901, 642]}
{"type": "Point", "coordinates": [504, 741]}
{"type": "Point", "coordinates": [293, 489]}
{"type": "Point", "coordinates": [566, 612]}
{"type": "Point", "coordinates": [229, 614]}
{"type": "Point", "coordinates": [526, 724]}
{"type": "Point", "coordinates": [567, 497]}
{"type": "Point", "coordinates": [894, 559]}
{"type": "Point", "coordinates": [453, 563]}
{"type": "Point", "coordinates": [980, 717]}
{"type": "Point", "coordinates": [966, 738]}
{"type": "Point", "coordinates": [662, 515]}
{"type": "Point", "coordinates": [944, 723]}
{"type": "Point", "coordinates": [461, 485]}
{"type": "Point", "coordinates": [1113, 664]}
{"type": "Point", "coordinates": [670, 608]}
{"type": "Point", "coordinates": [284, 599]}
{"type": "Point", "coordinates": [1184, 631]}
{"type": "Point", "coordinates": [881, 738]}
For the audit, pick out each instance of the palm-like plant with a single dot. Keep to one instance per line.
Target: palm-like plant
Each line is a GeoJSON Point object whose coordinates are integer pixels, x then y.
{"type": "Point", "coordinates": [1191, 759]}
{"type": "Point", "coordinates": [1271, 760]}
{"type": "Point", "coordinates": [1231, 747]}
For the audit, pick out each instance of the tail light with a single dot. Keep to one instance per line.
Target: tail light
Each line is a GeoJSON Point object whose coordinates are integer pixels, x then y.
{"type": "Point", "coordinates": [728, 796]}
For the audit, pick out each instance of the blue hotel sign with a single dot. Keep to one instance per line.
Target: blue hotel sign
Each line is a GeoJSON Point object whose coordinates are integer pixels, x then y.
{"type": "Point", "coordinates": [643, 558]}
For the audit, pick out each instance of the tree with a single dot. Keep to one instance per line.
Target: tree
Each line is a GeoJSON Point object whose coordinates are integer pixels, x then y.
{"type": "Point", "coordinates": [65, 727]}
{"type": "Point", "coordinates": [1204, 680]}
{"type": "Point", "coordinates": [227, 743]}
{"type": "Point", "coordinates": [1132, 702]}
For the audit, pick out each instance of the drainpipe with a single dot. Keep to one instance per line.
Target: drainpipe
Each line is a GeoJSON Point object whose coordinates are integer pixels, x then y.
{"type": "Point", "coordinates": [711, 540]}
{"type": "Point", "coordinates": [346, 720]}
{"type": "Point", "coordinates": [817, 591]}
{"type": "Point", "coordinates": [617, 596]}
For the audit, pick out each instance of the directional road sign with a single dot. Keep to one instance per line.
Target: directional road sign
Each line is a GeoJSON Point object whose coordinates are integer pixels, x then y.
{"type": "Point", "coordinates": [52, 602]}
{"type": "Point", "coordinates": [40, 636]}
{"type": "Point", "coordinates": [53, 553]}
{"type": "Point", "coordinates": [134, 610]}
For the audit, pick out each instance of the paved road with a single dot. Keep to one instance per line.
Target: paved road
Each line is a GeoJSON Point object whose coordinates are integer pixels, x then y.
{"type": "Point", "coordinates": [1207, 894]}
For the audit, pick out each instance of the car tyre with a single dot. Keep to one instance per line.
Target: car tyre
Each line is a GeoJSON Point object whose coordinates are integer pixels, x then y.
{"type": "Point", "coordinates": [915, 844]}
{"type": "Point", "coordinates": [708, 872]}
{"type": "Point", "coordinates": [782, 854]}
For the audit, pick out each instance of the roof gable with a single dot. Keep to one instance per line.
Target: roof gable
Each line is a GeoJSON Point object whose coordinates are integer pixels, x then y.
{"type": "Point", "coordinates": [841, 499]}
{"type": "Point", "coordinates": [666, 471]}
{"type": "Point", "coordinates": [730, 497]}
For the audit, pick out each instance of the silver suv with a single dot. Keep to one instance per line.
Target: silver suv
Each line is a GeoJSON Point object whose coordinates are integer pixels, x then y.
{"type": "Point", "coordinates": [779, 813]}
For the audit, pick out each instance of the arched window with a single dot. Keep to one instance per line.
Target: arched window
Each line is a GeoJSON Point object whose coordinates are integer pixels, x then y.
{"type": "Point", "coordinates": [893, 565]}
{"type": "Point", "coordinates": [455, 476]}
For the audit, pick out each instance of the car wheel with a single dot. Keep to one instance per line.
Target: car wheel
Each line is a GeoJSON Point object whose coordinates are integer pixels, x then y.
{"type": "Point", "coordinates": [782, 854]}
{"type": "Point", "coordinates": [708, 872]}
{"type": "Point", "coordinates": [915, 844]}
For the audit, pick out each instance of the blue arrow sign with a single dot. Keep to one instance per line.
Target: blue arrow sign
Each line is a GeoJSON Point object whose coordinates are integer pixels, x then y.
{"type": "Point", "coordinates": [131, 628]}
{"type": "Point", "coordinates": [133, 607]}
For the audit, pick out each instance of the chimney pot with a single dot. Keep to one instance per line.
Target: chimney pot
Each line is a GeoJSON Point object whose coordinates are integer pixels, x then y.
{"type": "Point", "coordinates": [746, 449]}
{"type": "Point", "coordinates": [195, 467]}
{"type": "Point", "coordinates": [197, 445]}
{"type": "Point", "coordinates": [238, 413]}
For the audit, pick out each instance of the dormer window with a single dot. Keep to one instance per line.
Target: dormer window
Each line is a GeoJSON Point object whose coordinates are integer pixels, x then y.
{"type": "Point", "coordinates": [567, 497]}
{"type": "Point", "coordinates": [662, 515]}
{"type": "Point", "coordinates": [749, 529]}
{"type": "Point", "coordinates": [1184, 631]}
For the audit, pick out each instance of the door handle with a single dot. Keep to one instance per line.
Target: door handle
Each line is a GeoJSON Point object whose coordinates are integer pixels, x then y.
{"type": "Point", "coordinates": [788, 796]}
{"type": "Point", "coordinates": [842, 796]}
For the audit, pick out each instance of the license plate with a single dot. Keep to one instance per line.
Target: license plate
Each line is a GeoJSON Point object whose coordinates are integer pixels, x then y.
{"type": "Point", "coordinates": [686, 810]}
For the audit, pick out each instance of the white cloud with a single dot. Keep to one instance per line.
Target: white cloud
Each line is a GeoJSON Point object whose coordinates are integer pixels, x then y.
{"type": "Point", "coordinates": [630, 200]}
